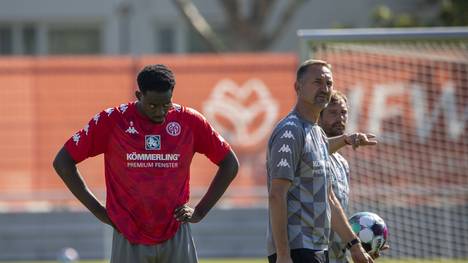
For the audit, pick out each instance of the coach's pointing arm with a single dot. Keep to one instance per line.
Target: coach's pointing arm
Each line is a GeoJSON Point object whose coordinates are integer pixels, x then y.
{"type": "Point", "coordinates": [66, 168]}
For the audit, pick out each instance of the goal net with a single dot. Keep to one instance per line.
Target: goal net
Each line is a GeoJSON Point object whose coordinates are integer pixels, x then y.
{"type": "Point", "coordinates": [410, 88]}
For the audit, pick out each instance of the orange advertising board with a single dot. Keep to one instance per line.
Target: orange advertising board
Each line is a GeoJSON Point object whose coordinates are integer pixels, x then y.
{"type": "Point", "coordinates": [46, 100]}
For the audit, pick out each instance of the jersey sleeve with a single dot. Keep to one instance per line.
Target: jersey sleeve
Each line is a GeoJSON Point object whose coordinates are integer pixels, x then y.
{"type": "Point", "coordinates": [285, 151]}
{"type": "Point", "coordinates": [207, 140]}
{"type": "Point", "coordinates": [92, 139]}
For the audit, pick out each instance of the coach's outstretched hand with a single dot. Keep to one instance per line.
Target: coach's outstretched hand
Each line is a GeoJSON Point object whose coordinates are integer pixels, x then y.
{"type": "Point", "coordinates": [360, 139]}
{"type": "Point", "coordinates": [359, 255]}
{"type": "Point", "coordinates": [186, 214]}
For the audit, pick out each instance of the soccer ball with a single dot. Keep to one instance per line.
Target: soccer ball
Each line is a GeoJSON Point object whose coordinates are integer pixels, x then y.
{"type": "Point", "coordinates": [68, 255]}
{"type": "Point", "coordinates": [371, 230]}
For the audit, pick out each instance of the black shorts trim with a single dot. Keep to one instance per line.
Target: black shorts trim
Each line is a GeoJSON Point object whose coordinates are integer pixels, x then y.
{"type": "Point", "coordinates": [304, 255]}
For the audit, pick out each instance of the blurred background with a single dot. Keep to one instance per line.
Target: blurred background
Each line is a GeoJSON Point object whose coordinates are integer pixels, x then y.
{"type": "Point", "coordinates": [403, 65]}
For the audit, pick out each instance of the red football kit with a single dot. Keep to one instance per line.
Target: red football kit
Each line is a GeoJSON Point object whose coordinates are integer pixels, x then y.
{"type": "Point", "coordinates": [147, 165]}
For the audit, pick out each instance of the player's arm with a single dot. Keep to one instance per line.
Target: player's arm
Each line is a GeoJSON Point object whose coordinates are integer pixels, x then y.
{"type": "Point", "coordinates": [227, 171]}
{"type": "Point", "coordinates": [277, 202]}
{"type": "Point", "coordinates": [66, 168]}
{"type": "Point", "coordinates": [354, 139]}
{"type": "Point", "coordinates": [339, 224]}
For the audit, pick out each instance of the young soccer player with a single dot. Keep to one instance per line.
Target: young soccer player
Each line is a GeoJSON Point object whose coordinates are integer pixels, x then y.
{"type": "Point", "coordinates": [148, 146]}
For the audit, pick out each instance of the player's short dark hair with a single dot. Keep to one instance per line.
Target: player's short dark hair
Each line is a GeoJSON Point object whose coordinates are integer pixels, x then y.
{"type": "Point", "coordinates": [302, 70]}
{"type": "Point", "coordinates": [156, 77]}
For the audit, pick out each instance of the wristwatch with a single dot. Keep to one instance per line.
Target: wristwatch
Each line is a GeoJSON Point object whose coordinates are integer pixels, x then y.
{"type": "Point", "coordinates": [352, 243]}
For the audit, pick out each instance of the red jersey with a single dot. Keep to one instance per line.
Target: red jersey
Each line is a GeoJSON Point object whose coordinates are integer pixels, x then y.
{"type": "Point", "coordinates": [147, 165]}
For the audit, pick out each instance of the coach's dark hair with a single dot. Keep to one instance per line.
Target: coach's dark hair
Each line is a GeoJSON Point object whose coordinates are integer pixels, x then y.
{"type": "Point", "coordinates": [156, 77]}
{"type": "Point", "coordinates": [302, 70]}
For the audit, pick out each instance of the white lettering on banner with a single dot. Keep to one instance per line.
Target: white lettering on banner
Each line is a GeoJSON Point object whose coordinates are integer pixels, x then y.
{"type": "Point", "coordinates": [232, 102]}
{"type": "Point", "coordinates": [355, 97]}
{"type": "Point", "coordinates": [152, 156]}
{"type": "Point", "coordinates": [382, 110]}
{"type": "Point", "coordinates": [425, 119]}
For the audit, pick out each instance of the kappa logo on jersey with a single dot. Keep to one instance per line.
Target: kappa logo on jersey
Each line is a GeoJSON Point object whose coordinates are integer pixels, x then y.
{"type": "Point", "coordinates": [176, 107]}
{"type": "Point", "coordinates": [285, 149]}
{"type": "Point", "coordinates": [153, 142]}
{"type": "Point", "coordinates": [123, 107]}
{"type": "Point", "coordinates": [131, 129]}
{"type": "Point", "coordinates": [287, 134]}
{"type": "Point", "coordinates": [86, 129]}
{"type": "Point", "coordinates": [173, 128]}
{"type": "Point", "coordinates": [109, 111]}
{"type": "Point", "coordinates": [290, 123]}
{"type": "Point", "coordinates": [76, 138]}
{"type": "Point", "coordinates": [96, 118]}
{"type": "Point", "coordinates": [283, 163]}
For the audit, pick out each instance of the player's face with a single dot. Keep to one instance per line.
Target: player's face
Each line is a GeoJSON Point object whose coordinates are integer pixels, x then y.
{"type": "Point", "coordinates": [334, 119]}
{"type": "Point", "coordinates": [316, 86]}
{"type": "Point", "coordinates": [155, 105]}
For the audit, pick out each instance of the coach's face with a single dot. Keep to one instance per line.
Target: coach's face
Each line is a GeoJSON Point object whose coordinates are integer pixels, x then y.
{"type": "Point", "coordinates": [315, 87]}
{"type": "Point", "coordinates": [334, 118]}
{"type": "Point", "coordinates": [155, 105]}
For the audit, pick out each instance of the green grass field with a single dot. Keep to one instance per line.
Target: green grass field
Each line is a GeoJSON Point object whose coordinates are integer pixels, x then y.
{"type": "Point", "coordinates": [261, 260]}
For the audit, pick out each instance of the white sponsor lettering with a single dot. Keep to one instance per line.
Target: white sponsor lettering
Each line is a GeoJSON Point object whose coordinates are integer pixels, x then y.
{"type": "Point", "coordinates": [151, 165]}
{"type": "Point", "coordinates": [283, 163]}
{"type": "Point", "coordinates": [285, 149]}
{"type": "Point", "coordinates": [152, 156]}
{"type": "Point", "coordinates": [288, 135]}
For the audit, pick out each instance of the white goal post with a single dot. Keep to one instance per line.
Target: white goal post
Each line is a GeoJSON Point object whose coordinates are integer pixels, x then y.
{"type": "Point", "coordinates": [410, 87]}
